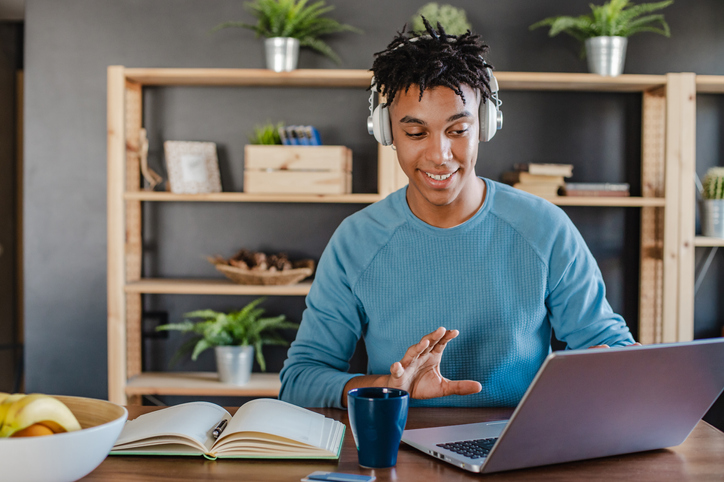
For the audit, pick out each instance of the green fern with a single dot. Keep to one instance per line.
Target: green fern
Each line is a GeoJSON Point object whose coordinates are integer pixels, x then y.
{"type": "Point", "coordinates": [296, 19]}
{"type": "Point", "coordinates": [242, 327]}
{"type": "Point", "coordinates": [453, 20]}
{"type": "Point", "coordinates": [616, 18]}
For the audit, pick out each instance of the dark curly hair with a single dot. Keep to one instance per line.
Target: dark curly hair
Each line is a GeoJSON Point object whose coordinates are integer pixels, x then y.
{"type": "Point", "coordinates": [432, 60]}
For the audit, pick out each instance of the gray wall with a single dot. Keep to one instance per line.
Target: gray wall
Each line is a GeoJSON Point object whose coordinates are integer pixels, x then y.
{"type": "Point", "coordinates": [69, 44]}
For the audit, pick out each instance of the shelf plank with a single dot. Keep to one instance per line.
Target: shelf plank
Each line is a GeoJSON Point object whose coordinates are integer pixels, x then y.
{"type": "Point", "coordinates": [178, 286]}
{"type": "Point", "coordinates": [247, 197]}
{"type": "Point", "coordinates": [251, 77]}
{"type": "Point", "coordinates": [361, 79]}
{"type": "Point", "coordinates": [366, 198]}
{"type": "Point", "coordinates": [710, 84]}
{"type": "Point", "coordinates": [600, 201]}
{"type": "Point", "coordinates": [201, 383]}
{"type": "Point", "coordinates": [578, 82]}
{"type": "Point", "coordinates": [705, 241]}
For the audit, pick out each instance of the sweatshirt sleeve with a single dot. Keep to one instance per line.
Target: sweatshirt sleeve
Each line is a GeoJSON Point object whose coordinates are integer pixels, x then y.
{"type": "Point", "coordinates": [315, 371]}
{"type": "Point", "coordinates": [577, 305]}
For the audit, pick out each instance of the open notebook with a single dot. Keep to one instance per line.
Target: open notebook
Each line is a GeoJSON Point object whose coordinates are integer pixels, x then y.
{"type": "Point", "coordinates": [262, 428]}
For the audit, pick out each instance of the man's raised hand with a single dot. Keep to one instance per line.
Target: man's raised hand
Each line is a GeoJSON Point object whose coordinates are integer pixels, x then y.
{"type": "Point", "coordinates": [419, 370]}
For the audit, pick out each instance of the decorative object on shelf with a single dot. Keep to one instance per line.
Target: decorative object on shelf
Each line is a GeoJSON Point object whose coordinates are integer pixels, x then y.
{"type": "Point", "coordinates": [605, 31]}
{"type": "Point", "coordinates": [256, 268]}
{"type": "Point", "coordinates": [288, 24]}
{"type": "Point", "coordinates": [543, 180]}
{"type": "Point", "coordinates": [151, 176]}
{"type": "Point", "coordinates": [300, 136]}
{"type": "Point", "coordinates": [267, 134]}
{"type": "Point", "coordinates": [193, 167]}
{"type": "Point", "coordinates": [596, 189]}
{"type": "Point", "coordinates": [712, 204]}
{"type": "Point", "coordinates": [453, 20]}
{"type": "Point", "coordinates": [297, 169]}
{"type": "Point", "coordinates": [236, 336]}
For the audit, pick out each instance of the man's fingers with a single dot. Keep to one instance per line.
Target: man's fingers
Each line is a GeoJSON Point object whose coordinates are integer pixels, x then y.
{"type": "Point", "coordinates": [440, 345]}
{"type": "Point", "coordinates": [462, 387]}
{"type": "Point", "coordinates": [414, 351]}
{"type": "Point", "coordinates": [396, 370]}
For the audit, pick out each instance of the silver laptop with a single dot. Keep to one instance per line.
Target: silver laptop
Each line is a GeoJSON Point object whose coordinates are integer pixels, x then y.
{"type": "Point", "coordinates": [584, 404]}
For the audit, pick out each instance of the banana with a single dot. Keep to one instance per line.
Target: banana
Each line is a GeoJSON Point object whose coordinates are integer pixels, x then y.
{"type": "Point", "coordinates": [38, 408]}
{"type": "Point", "coordinates": [6, 400]}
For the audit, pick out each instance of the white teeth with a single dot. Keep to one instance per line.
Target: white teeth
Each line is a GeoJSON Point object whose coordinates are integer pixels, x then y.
{"type": "Point", "coordinates": [439, 177]}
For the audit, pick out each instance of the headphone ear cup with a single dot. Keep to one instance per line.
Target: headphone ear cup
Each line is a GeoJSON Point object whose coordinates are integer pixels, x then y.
{"type": "Point", "coordinates": [381, 125]}
{"type": "Point", "coordinates": [487, 116]}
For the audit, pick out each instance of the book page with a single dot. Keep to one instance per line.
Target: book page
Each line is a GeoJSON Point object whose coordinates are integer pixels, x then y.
{"type": "Point", "coordinates": [190, 423]}
{"type": "Point", "coordinates": [274, 417]}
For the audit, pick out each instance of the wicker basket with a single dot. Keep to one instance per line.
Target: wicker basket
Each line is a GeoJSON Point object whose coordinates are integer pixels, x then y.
{"type": "Point", "coordinates": [302, 269]}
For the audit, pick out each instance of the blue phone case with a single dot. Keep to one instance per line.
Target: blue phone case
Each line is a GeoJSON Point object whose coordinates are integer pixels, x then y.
{"type": "Point", "coordinates": [337, 477]}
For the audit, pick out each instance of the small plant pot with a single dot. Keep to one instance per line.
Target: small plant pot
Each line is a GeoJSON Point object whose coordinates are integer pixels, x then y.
{"type": "Point", "coordinates": [712, 218]}
{"type": "Point", "coordinates": [234, 363]}
{"type": "Point", "coordinates": [606, 55]}
{"type": "Point", "coordinates": [282, 53]}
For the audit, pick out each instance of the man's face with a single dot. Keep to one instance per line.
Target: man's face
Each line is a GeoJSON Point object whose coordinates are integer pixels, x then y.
{"type": "Point", "coordinates": [437, 146]}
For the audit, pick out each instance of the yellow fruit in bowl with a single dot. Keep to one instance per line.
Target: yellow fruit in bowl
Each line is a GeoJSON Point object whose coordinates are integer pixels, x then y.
{"type": "Point", "coordinates": [19, 412]}
{"type": "Point", "coordinates": [35, 430]}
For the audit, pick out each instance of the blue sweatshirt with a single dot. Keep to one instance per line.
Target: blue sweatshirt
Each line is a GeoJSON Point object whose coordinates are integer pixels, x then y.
{"type": "Point", "coordinates": [504, 278]}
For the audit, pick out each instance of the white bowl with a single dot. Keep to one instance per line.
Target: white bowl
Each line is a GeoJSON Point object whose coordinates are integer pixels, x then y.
{"type": "Point", "coordinates": [65, 457]}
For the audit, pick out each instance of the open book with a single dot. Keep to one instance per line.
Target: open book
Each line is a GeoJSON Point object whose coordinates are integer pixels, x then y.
{"type": "Point", "coordinates": [263, 428]}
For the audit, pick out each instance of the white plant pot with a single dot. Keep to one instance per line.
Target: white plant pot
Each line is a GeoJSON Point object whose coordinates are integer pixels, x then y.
{"type": "Point", "coordinates": [282, 53]}
{"type": "Point", "coordinates": [234, 363]}
{"type": "Point", "coordinates": [712, 218]}
{"type": "Point", "coordinates": [606, 55]}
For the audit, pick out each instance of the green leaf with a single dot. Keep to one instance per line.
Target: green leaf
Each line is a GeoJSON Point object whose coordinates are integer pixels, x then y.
{"type": "Point", "coordinates": [200, 347]}
{"type": "Point", "coordinates": [614, 18]}
{"type": "Point", "coordinates": [293, 18]}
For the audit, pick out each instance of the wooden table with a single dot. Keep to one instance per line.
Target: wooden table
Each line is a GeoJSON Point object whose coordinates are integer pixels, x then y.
{"type": "Point", "coordinates": [700, 457]}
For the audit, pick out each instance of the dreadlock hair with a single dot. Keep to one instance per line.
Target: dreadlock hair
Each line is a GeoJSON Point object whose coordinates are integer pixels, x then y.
{"type": "Point", "coordinates": [432, 60]}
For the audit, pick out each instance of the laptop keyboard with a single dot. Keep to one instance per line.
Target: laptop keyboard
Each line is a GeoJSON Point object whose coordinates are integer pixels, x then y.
{"type": "Point", "coordinates": [474, 449]}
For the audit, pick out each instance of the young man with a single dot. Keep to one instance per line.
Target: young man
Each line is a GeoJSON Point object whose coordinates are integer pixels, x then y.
{"type": "Point", "coordinates": [501, 266]}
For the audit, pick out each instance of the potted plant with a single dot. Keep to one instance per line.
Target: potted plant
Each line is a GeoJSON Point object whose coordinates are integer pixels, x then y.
{"type": "Point", "coordinates": [266, 134]}
{"type": "Point", "coordinates": [712, 206]}
{"type": "Point", "coordinates": [452, 19]}
{"type": "Point", "coordinates": [606, 29]}
{"type": "Point", "coordinates": [289, 24]}
{"type": "Point", "coordinates": [235, 336]}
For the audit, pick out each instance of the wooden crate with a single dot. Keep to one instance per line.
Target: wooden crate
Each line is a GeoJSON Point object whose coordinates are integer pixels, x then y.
{"type": "Point", "coordinates": [297, 169]}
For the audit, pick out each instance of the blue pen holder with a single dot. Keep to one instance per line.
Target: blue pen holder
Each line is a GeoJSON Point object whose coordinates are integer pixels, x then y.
{"type": "Point", "coordinates": [377, 417]}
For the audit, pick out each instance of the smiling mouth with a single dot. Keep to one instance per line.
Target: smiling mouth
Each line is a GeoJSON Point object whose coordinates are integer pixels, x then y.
{"type": "Point", "coordinates": [439, 177]}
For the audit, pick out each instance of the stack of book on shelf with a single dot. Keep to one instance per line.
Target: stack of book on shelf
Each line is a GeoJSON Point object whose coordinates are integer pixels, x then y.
{"type": "Point", "coordinates": [540, 179]}
{"type": "Point", "coordinates": [595, 189]}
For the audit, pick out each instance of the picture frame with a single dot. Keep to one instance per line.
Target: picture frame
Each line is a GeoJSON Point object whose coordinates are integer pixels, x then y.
{"type": "Point", "coordinates": [193, 167]}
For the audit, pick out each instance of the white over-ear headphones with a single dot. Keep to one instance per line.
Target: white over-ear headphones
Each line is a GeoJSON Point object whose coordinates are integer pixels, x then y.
{"type": "Point", "coordinates": [489, 114]}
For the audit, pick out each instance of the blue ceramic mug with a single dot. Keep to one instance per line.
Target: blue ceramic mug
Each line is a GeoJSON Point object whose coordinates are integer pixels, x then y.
{"type": "Point", "coordinates": [377, 416]}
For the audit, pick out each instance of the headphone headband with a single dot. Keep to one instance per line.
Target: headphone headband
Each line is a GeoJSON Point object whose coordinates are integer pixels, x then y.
{"type": "Point", "coordinates": [490, 117]}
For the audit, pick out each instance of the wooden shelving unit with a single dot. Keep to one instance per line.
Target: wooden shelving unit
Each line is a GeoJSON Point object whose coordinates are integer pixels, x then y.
{"type": "Point", "coordinates": [127, 383]}
{"type": "Point", "coordinates": [700, 84]}
{"type": "Point", "coordinates": [212, 287]}
{"type": "Point", "coordinates": [706, 242]}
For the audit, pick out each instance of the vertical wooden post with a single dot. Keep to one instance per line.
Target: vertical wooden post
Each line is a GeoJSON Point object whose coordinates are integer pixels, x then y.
{"type": "Point", "coordinates": [679, 217]}
{"type": "Point", "coordinates": [133, 219]}
{"type": "Point", "coordinates": [686, 96]}
{"type": "Point", "coordinates": [116, 237]}
{"type": "Point", "coordinates": [652, 180]}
